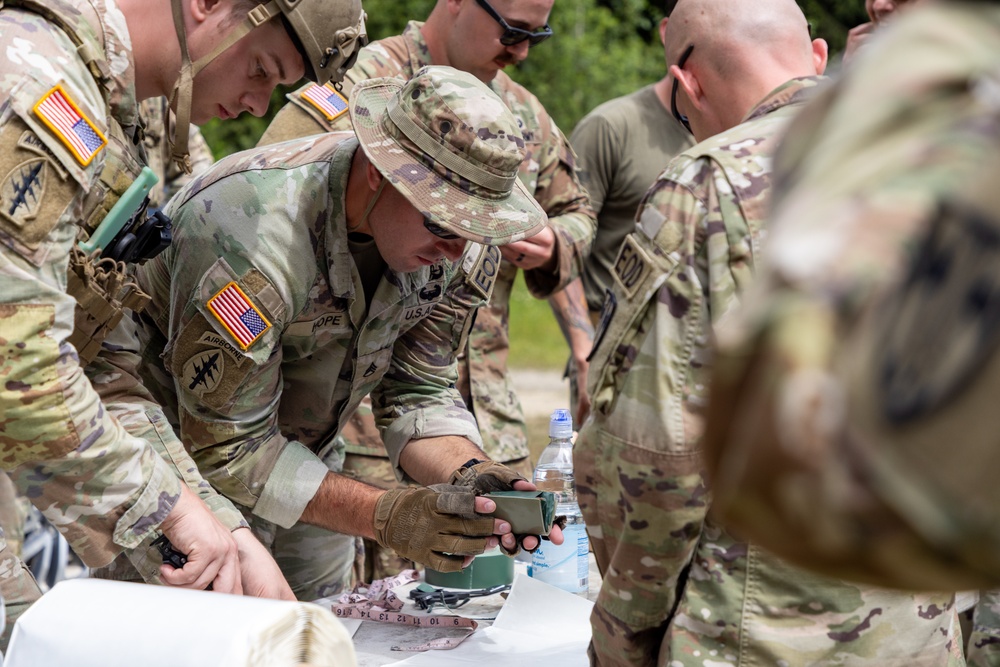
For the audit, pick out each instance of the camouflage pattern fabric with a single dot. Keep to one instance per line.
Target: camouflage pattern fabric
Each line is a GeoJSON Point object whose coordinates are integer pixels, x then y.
{"type": "Point", "coordinates": [549, 174]}
{"type": "Point", "coordinates": [677, 589]}
{"type": "Point", "coordinates": [156, 113]}
{"type": "Point", "coordinates": [13, 513]}
{"type": "Point", "coordinates": [18, 589]}
{"type": "Point", "coordinates": [851, 426]}
{"type": "Point", "coordinates": [102, 487]}
{"type": "Point", "coordinates": [260, 415]}
{"type": "Point", "coordinates": [982, 648]}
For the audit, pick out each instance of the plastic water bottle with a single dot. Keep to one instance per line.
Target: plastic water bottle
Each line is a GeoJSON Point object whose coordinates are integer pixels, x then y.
{"type": "Point", "coordinates": [565, 566]}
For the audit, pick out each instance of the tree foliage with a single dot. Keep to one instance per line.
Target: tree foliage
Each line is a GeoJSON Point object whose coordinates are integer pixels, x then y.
{"type": "Point", "coordinates": [601, 49]}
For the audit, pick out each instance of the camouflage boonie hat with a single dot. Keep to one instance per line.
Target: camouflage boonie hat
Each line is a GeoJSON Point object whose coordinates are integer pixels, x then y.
{"type": "Point", "coordinates": [452, 148]}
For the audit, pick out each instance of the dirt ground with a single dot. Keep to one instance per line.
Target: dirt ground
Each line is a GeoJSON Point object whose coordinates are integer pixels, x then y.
{"type": "Point", "coordinates": [540, 392]}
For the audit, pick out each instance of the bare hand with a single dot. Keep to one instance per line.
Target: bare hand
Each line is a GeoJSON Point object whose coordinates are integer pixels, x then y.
{"type": "Point", "coordinates": [210, 548]}
{"type": "Point", "coordinates": [534, 252]}
{"type": "Point", "coordinates": [261, 576]}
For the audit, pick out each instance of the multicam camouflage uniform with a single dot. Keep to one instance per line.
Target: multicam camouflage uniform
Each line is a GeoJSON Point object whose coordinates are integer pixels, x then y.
{"type": "Point", "coordinates": [678, 590]}
{"type": "Point", "coordinates": [103, 488]}
{"type": "Point", "coordinates": [156, 114]}
{"type": "Point", "coordinates": [260, 411]}
{"type": "Point", "coordinates": [548, 172]}
{"type": "Point", "coordinates": [827, 453]}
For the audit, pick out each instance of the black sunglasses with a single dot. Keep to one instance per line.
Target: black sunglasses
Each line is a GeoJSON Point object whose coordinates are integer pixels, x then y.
{"type": "Point", "coordinates": [681, 118]}
{"type": "Point", "coordinates": [512, 35]}
{"type": "Point", "coordinates": [439, 231]}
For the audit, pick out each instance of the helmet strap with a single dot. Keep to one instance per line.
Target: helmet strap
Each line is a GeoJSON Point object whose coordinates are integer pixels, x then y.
{"type": "Point", "coordinates": [182, 93]}
{"type": "Point", "coordinates": [368, 209]}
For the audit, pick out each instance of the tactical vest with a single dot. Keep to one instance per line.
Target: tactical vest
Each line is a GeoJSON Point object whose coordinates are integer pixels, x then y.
{"type": "Point", "coordinates": [639, 271]}
{"type": "Point", "coordinates": [101, 287]}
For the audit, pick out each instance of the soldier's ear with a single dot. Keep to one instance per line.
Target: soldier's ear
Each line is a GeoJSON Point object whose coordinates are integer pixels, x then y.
{"type": "Point", "coordinates": [820, 51]}
{"type": "Point", "coordinates": [690, 85]}
{"type": "Point", "coordinates": [663, 30]}
{"type": "Point", "coordinates": [200, 9]}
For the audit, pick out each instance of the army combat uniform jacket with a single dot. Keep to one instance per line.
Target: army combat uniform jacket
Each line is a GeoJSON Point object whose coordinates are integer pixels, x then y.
{"type": "Point", "coordinates": [678, 590]}
{"type": "Point", "coordinates": [68, 90]}
{"type": "Point", "coordinates": [260, 339]}
{"type": "Point", "coordinates": [895, 166]}
{"type": "Point", "coordinates": [548, 172]}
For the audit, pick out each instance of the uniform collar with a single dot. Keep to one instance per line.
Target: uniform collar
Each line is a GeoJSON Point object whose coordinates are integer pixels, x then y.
{"type": "Point", "coordinates": [795, 91]}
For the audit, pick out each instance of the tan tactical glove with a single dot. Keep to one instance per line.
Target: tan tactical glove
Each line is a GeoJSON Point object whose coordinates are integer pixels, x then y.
{"type": "Point", "coordinates": [487, 477]}
{"type": "Point", "coordinates": [436, 525]}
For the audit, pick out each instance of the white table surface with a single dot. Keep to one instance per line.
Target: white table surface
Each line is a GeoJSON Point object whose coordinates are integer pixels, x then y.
{"type": "Point", "coordinates": [373, 642]}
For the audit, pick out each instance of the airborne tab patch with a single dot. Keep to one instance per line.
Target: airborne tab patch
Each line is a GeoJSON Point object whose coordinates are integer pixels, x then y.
{"type": "Point", "coordinates": [61, 115]}
{"type": "Point", "coordinates": [327, 99]}
{"type": "Point", "coordinates": [238, 314]}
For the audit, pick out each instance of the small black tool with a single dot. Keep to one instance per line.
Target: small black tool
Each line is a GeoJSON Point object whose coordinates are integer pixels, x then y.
{"type": "Point", "coordinates": [171, 556]}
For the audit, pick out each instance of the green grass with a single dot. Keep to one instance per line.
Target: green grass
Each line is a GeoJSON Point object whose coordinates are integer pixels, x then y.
{"type": "Point", "coordinates": [535, 338]}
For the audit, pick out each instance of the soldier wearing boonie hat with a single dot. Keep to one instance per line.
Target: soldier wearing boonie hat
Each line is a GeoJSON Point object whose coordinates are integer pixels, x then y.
{"type": "Point", "coordinates": [481, 38]}
{"type": "Point", "coordinates": [456, 161]}
{"type": "Point", "coordinates": [298, 283]}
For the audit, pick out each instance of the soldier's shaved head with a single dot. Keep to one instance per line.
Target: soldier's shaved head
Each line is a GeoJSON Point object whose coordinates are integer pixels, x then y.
{"type": "Point", "coordinates": [742, 51]}
{"type": "Point", "coordinates": [737, 34]}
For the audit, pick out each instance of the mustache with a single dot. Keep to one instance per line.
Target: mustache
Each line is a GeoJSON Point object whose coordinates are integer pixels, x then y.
{"type": "Point", "coordinates": [508, 59]}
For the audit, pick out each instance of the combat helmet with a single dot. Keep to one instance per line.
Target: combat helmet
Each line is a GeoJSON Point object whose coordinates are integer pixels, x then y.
{"type": "Point", "coordinates": [327, 33]}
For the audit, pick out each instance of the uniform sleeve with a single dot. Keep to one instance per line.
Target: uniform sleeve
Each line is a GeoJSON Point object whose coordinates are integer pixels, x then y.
{"type": "Point", "coordinates": [115, 376]}
{"type": "Point", "coordinates": [417, 397]}
{"type": "Point", "coordinates": [102, 488]}
{"type": "Point", "coordinates": [232, 432]}
{"type": "Point", "coordinates": [638, 461]}
{"type": "Point", "coordinates": [559, 192]}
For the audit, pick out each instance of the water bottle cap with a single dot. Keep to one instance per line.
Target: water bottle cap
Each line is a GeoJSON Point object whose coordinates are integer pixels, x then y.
{"type": "Point", "coordinates": [561, 424]}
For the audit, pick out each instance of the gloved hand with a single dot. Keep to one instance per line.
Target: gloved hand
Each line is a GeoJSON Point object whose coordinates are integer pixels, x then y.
{"type": "Point", "coordinates": [434, 525]}
{"type": "Point", "coordinates": [486, 477]}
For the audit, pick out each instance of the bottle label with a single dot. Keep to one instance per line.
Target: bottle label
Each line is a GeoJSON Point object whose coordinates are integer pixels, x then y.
{"type": "Point", "coordinates": [564, 566]}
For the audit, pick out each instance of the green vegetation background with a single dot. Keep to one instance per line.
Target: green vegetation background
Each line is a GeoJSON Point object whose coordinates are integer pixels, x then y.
{"type": "Point", "coordinates": [601, 49]}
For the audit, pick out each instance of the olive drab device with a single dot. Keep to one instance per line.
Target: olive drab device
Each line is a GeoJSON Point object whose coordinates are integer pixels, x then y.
{"type": "Point", "coordinates": [328, 35]}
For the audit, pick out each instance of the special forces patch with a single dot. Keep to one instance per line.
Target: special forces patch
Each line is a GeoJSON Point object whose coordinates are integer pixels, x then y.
{"type": "Point", "coordinates": [22, 191]}
{"type": "Point", "coordinates": [70, 125]}
{"type": "Point", "coordinates": [203, 372]}
{"type": "Point", "coordinates": [238, 315]}
{"type": "Point", "coordinates": [326, 99]}
{"type": "Point", "coordinates": [35, 190]}
{"type": "Point", "coordinates": [942, 323]}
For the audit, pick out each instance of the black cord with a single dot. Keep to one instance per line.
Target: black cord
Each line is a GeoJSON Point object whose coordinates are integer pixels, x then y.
{"type": "Point", "coordinates": [451, 599]}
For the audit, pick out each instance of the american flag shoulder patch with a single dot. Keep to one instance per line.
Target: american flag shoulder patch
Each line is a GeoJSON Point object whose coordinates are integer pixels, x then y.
{"type": "Point", "coordinates": [238, 314]}
{"type": "Point", "coordinates": [70, 125]}
{"type": "Point", "coordinates": [325, 98]}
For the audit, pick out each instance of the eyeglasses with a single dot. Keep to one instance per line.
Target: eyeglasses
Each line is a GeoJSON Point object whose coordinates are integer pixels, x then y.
{"type": "Point", "coordinates": [439, 231]}
{"type": "Point", "coordinates": [681, 118]}
{"type": "Point", "coordinates": [512, 35]}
